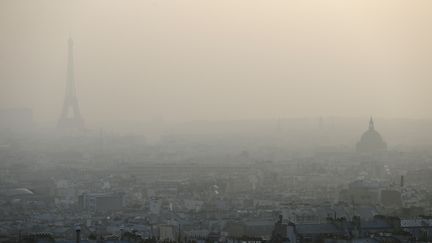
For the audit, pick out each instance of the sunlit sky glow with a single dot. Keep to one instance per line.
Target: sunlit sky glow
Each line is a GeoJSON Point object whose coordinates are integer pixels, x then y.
{"type": "Point", "coordinates": [226, 59]}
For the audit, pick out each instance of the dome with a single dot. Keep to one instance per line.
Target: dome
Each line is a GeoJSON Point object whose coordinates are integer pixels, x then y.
{"type": "Point", "coordinates": [17, 192]}
{"type": "Point", "coordinates": [371, 141]}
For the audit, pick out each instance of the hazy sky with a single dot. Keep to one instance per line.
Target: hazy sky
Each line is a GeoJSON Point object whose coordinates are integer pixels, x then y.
{"type": "Point", "coordinates": [219, 59]}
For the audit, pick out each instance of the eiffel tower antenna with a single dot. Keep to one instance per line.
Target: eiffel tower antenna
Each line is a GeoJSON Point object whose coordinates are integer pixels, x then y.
{"type": "Point", "coordinates": [70, 118]}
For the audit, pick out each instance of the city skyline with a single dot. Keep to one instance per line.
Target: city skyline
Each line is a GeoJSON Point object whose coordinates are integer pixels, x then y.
{"type": "Point", "coordinates": [136, 70]}
{"type": "Point", "coordinates": [215, 121]}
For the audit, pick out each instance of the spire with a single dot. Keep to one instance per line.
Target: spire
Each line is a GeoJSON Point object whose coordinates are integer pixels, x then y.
{"type": "Point", "coordinates": [70, 70]}
{"type": "Point", "coordinates": [70, 117]}
{"type": "Point", "coordinates": [371, 124]}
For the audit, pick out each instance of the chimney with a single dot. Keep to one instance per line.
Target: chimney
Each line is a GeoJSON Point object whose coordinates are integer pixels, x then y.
{"type": "Point", "coordinates": [121, 232]}
{"type": "Point", "coordinates": [402, 181]}
{"type": "Point", "coordinates": [78, 233]}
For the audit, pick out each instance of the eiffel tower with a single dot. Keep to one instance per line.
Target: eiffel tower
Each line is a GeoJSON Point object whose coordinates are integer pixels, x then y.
{"type": "Point", "coordinates": [70, 118]}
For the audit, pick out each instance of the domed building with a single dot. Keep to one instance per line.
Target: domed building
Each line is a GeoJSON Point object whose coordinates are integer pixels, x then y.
{"type": "Point", "coordinates": [371, 141]}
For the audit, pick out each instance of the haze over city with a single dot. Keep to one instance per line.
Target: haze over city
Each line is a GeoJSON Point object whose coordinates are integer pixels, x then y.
{"type": "Point", "coordinates": [204, 121]}
{"type": "Point", "coordinates": [219, 60]}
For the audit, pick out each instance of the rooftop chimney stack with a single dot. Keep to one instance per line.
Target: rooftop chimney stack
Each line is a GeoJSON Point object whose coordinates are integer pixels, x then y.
{"type": "Point", "coordinates": [78, 233]}
{"type": "Point", "coordinates": [121, 232]}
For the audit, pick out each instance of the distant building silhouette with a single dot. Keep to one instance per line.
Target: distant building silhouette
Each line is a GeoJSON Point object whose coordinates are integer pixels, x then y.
{"type": "Point", "coordinates": [73, 120]}
{"type": "Point", "coordinates": [102, 202]}
{"type": "Point", "coordinates": [371, 141]}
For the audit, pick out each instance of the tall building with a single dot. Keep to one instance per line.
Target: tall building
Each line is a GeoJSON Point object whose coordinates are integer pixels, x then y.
{"type": "Point", "coordinates": [70, 118]}
{"type": "Point", "coordinates": [371, 141]}
{"type": "Point", "coordinates": [102, 202]}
